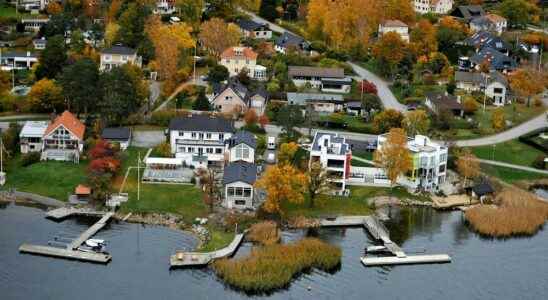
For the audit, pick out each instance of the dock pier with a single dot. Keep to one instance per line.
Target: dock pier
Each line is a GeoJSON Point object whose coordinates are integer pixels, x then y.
{"type": "Point", "coordinates": [379, 232]}
{"type": "Point", "coordinates": [71, 250]}
{"type": "Point", "coordinates": [190, 259]}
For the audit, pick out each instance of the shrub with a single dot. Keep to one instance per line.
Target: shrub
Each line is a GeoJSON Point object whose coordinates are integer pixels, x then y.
{"type": "Point", "coordinates": [162, 118]}
{"type": "Point", "coordinates": [272, 267]}
{"type": "Point", "coordinates": [162, 150]}
{"type": "Point", "coordinates": [539, 162]}
{"type": "Point", "coordinates": [30, 158]}
{"type": "Point", "coordinates": [266, 233]}
{"type": "Point", "coordinates": [254, 128]}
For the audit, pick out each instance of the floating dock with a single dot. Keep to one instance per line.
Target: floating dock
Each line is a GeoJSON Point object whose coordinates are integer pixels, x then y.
{"type": "Point", "coordinates": [65, 253]}
{"type": "Point", "coordinates": [190, 259]}
{"type": "Point", "coordinates": [379, 232]}
{"type": "Point", "coordinates": [90, 231]}
{"type": "Point", "coordinates": [65, 212]}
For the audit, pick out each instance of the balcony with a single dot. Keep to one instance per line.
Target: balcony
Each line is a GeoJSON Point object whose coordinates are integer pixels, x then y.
{"type": "Point", "coordinates": [199, 142]}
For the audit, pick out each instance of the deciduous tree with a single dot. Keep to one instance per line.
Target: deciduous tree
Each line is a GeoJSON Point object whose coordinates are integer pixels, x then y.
{"type": "Point", "coordinates": [516, 11]}
{"type": "Point", "coordinates": [191, 11]}
{"type": "Point", "coordinates": [80, 82]}
{"type": "Point", "coordinates": [287, 152]}
{"type": "Point", "coordinates": [201, 103]}
{"type": "Point", "coordinates": [468, 165]}
{"type": "Point", "coordinates": [527, 83]}
{"type": "Point", "coordinates": [318, 182]}
{"type": "Point", "coordinates": [46, 96]}
{"type": "Point", "coordinates": [470, 105]}
{"type": "Point", "coordinates": [216, 35]}
{"type": "Point", "coordinates": [283, 184]}
{"type": "Point", "coordinates": [53, 58]}
{"type": "Point", "coordinates": [394, 157]}
{"type": "Point", "coordinates": [263, 120]}
{"type": "Point", "coordinates": [132, 25]}
{"type": "Point", "coordinates": [250, 117]}
{"type": "Point", "coordinates": [390, 50]}
{"type": "Point", "coordinates": [498, 119]}
{"type": "Point", "coordinates": [423, 37]}
{"type": "Point", "coordinates": [386, 120]}
{"type": "Point", "coordinates": [416, 122]}
{"type": "Point", "coordinates": [289, 117]}
{"type": "Point", "coordinates": [54, 8]}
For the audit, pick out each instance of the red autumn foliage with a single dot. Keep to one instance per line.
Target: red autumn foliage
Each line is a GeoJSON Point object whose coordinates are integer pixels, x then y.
{"type": "Point", "coordinates": [368, 87]}
{"type": "Point", "coordinates": [104, 165]}
{"type": "Point", "coordinates": [263, 120]}
{"type": "Point", "coordinates": [101, 149]}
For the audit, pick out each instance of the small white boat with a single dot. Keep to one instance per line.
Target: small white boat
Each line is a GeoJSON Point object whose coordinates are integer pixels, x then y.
{"type": "Point", "coordinates": [376, 249]}
{"type": "Point", "coordinates": [95, 243]}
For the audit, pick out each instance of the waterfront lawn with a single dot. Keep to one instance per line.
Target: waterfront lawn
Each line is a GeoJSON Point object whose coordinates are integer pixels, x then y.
{"type": "Point", "coordinates": [49, 178]}
{"type": "Point", "coordinates": [219, 238]}
{"type": "Point", "coordinates": [513, 152]}
{"type": "Point", "coordinates": [510, 175]}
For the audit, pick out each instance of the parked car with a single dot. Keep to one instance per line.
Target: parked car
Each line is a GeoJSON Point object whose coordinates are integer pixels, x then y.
{"type": "Point", "coordinates": [271, 158]}
{"type": "Point", "coordinates": [271, 143]}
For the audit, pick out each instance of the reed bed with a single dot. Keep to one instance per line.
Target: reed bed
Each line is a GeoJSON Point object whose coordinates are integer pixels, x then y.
{"type": "Point", "coordinates": [265, 233]}
{"type": "Point", "coordinates": [271, 267]}
{"type": "Point", "coordinates": [516, 212]}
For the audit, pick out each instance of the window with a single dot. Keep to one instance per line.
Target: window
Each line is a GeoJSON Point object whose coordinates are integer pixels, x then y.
{"type": "Point", "coordinates": [230, 192]}
{"type": "Point", "coordinates": [193, 135]}
{"type": "Point", "coordinates": [208, 135]}
{"type": "Point", "coordinates": [209, 150]}
{"type": "Point", "coordinates": [242, 151]}
{"type": "Point", "coordinates": [218, 150]}
{"type": "Point", "coordinates": [181, 133]}
{"type": "Point", "coordinates": [239, 202]}
{"type": "Point", "coordinates": [190, 149]}
{"type": "Point", "coordinates": [443, 157]}
{"type": "Point", "coordinates": [201, 136]}
{"type": "Point", "coordinates": [497, 90]}
{"type": "Point", "coordinates": [221, 136]}
{"type": "Point", "coordinates": [108, 57]}
{"type": "Point", "coordinates": [247, 192]}
{"type": "Point", "coordinates": [124, 57]}
{"type": "Point", "coordinates": [229, 98]}
{"type": "Point", "coordinates": [442, 168]}
{"type": "Point", "coordinates": [239, 192]}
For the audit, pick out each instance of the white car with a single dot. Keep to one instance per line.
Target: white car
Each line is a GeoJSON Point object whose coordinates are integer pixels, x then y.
{"type": "Point", "coordinates": [271, 158]}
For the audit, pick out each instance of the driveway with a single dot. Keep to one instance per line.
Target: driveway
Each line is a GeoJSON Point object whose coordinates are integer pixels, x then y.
{"type": "Point", "coordinates": [148, 139]}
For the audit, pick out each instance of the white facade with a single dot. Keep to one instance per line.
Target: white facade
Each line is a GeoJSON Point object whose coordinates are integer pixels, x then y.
{"type": "Point", "coordinates": [334, 155]}
{"type": "Point", "coordinates": [395, 26]}
{"type": "Point", "coordinates": [30, 5]}
{"type": "Point", "coordinates": [31, 136]}
{"type": "Point", "coordinates": [236, 59]}
{"type": "Point", "coordinates": [496, 91]}
{"type": "Point", "coordinates": [239, 195]}
{"type": "Point", "coordinates": [17, 61]}
{"type": "Point", "coordinates": [164, 7]}
{"type": "Point", "coordinates": [111, 60]}
{"type": "Point", "coordinates": [433, 6]}
{"type": "Point", "coordinates": [241, 152]}
{"type": "Point", "coordinates": [34, 24]}
{"type": "Point", "coordinates": [189, 145]}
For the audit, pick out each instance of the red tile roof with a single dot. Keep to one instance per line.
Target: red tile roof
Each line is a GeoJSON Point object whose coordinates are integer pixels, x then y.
{"type": "Point", "coordinates": [244, 52]}
{"type": "Point", "coordinates": [70, 122]}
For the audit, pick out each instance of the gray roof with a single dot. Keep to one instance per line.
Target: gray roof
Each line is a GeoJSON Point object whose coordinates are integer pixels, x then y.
{"type": "Point", "coordinates": [240, 171]}
{"type": "Point", "coordinates": [288, 39]}
{"type": "Point", "coordinates": [496, 59]}
{"type": "Point", "coordinates": [482, 39]}
{"type": "Point", "coordinates": [334, 139]}
{"type": "Point", "coordinates": [13, 54]}
{"type": "Point", "coordinates": [440, 100]}
{"type": "Point", "coordinates": [354, 104]}
{"type": "Point", "coordinates": [483, 189]}
{"type": "Point", "coordinates": [473, 77]}
{"type": "Point", "coordinates": [233, 84]}
{"type": "Point", "coordinates": [116, 133]}
{"type": "Point", "coordinates": [243, 137]}
{"type": "Point", "coordinates": [250, 25]}
{"type": "Point", "coordinates": [118, 49]}
{"type": "Point", "coordinates": [201, 123]}
{"type": "Point", "coordinates": [323, 73]}
{"type": "Point", "coordinates": [468, 12]}
{"type": "Point", "coordinates": [302, 98]}
{"type": "Point", "coordinates": [496, 76]}
{"type": "Point", "coordinates": [261, 91]}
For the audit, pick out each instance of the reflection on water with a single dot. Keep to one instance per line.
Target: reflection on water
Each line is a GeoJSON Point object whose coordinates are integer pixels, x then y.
{"type": "Point", "coordinates": [481, 268]}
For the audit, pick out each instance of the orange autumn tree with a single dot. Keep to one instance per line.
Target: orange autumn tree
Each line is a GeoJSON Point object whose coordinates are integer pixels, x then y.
{"type": "Point", "coordinates": [398, 10]}
{"type": "Point", "coordinates": [394, 157]}
{"type": "Point", "coordinates": [423, 38]}
{"type": "Point", "coordinates": [54, 8]}
{"type": "Point", "coordinates": [527, 83]}
{"type": "Point", "coordinates": [250, 117]}
{"type": "Point", "coordinates": [468, 165]}
{"type": "Point", "coordinates": [216, 35]}
{"type": "Point", "coordinates": [390, 49]}
{"type": "Point", "coordinates": [283, 184]}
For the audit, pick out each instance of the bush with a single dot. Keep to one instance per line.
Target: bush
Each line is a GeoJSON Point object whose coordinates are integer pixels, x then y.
{"type": "Point", "coordinates": [539, 162]}
{"type": "Point", "coordinates": [254, 128]}
{"type": "Point", "coordinates": [161, 150]}
{"type": "Point", "coordinates": [266, 233]}
{"type": "Point", "coordinates": [30, 158]}
{"type": "Point", "coordinates": [162, 118]}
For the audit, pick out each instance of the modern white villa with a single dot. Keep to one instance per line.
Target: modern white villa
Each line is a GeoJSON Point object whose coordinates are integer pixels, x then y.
{"type": "Point", "coordinates": [334, 154]}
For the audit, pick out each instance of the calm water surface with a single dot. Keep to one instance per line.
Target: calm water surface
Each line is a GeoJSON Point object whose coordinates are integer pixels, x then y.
{"type": "Point", "coordinates": [481, 268]}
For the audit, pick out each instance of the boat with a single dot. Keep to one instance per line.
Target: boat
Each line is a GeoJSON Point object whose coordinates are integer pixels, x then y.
{"type": "Point", "coordinates": [95, 243]}
{"type": "Point", "coordinates": [98, 249]}
{"type": "Point", "coordinates": [376, 249]}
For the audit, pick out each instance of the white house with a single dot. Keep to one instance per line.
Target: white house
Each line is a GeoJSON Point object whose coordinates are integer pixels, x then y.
{"type": "Point", "coordinates": [118, 55]}
{"type": "Point", "coordinates": [31, 136]}
{"type": "Point", "coordinates": [396, 26]}
{"type": "Point", "coordinates": [489, 22]}
{"type": "Point", "coordinates": [39, 44]}
{"type": "Point", "coordinates": [433, 6]}
{"type": "Point", "coordinates": [236, 59]}
{"type": "Point", "coordinates": [429, 163]}
{"type": "Point", "coordinates": [64, 138]}
{"type": "Point", "coordinates": [329, 80]}
{"type": "Point", "coordinates": [34, 24]}
{"type": "Point", "coordinates": [241, 147]}
{"type": "Point", "coordinates": [16, 60]}
{"type": "Point", "coordinates": [165, 7]}
{"type": "Point", "coordinates": [30, 5]}
{"type": "Point", "coordinates": [322, 103]}
{"type": "Point", "coordinates": [252, 29]}
{"type": "Point", "coordinates": [196, 138]}
{"type": "Point", "coordinates": [290, 41]}
{"type": "Point", "coordinates": [494, 85]}
{"type": "Point", "coordinates": [238, 185]}
{"type": "Point", "coordinates": [334, 154]}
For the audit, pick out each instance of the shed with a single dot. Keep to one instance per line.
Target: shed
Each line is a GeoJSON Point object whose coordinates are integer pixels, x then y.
{"type": "Point", "coordinates": [121, 135]}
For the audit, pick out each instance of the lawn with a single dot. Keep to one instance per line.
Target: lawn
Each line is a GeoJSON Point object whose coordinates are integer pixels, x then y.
{"type": "Point", "coordinates": [513, 152]}
{"type": "Point", "coordinates": [510, 175]}
{"type": "Point", "coordinates": [51, 179]}
{"type": "Point", "coordinates": [352, 123]}
{"type": "Point", "coordinates": [363, 154]}
{"type": "Point", "coordinates": [415, 94]}
{"type": "Point", "coordinates": [359, 163]}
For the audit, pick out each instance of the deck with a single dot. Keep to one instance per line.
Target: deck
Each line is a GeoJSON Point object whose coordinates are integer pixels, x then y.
{"type": "Point", "coordinates": [188, 259]}
{"type": "Point", "coordinates": [65, 253]}
{"type": "Point", "coordinates": [65, 212]}
{"type": "Point", "coordinates": [90, 231]}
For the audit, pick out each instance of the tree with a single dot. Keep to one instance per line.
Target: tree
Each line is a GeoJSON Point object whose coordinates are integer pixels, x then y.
{"type": "Point", "coordinates": [53, 58]}
{"type": "Point", "coordinates": [287, 152]}
{"type": "Point", "coordinates": [402, 10]}
{"type": "Point", "coordinates": [283, 184]}
{"type": "Point", "coordinates": [450, 31]}
{"type": "Point", "coordinates": [191, 11]}
{"type": "Point", "coordinates": [289, 117]}
{"type": "Point", "coordinates": [527, 83]}
{"type": "Point", "coordinates": [10, 138]}
{"type": "Point", "coordinates": [218, 74]}
{"type": "Point", "coordinates": [111, 31]}
{"type": "Point", "coordinates": [390, 50]}
{"type": "Point", "coordinates": [250, 117]}
{"type": "Point", "coordinates": [216, 35]}
{"type": "Point", "coordinates": [54, 8]}
{"type": "Point", "coordinates": [318, 182]}
{"type": "Point", "coordinates": [5, 82]}
{"type": "Point", "coordinates": [416, 122]}
{"type": "Point", "coordinates": [123, 91]}
{"type": "Point", "coordinates": [385, 120]}
{"type": "Point", "coordinates": [468, 165]}
{"type": "Point", "coordinates": [423, 36]}
{"type": "Point", "coordinates": [371, 102]}
{"type": "Point", "coordinates": [77, 43]}
{"type": "Point", "coordinates": [367, 87]}
{"type": "Point", "coordinates": [498, 119]}
{"type": "Point", "coordinates": [46, 96]}
{"type": "Point", "coordinates": [470, 105]}
{"type": "Point", "coordinates": [80, 82]}
{"type": "Point", "coordinates": [516, 11]}
{"type": "Point", "coordinates": [394, 157]}
{"type": "Point", "coordinates": [201, 103]}
{"type": "Point", "coordinates": [208, 181]}
{"type": "Point", "coordinates": [263, 120]}
{"type": "Point", "coordinates": [132, 25]}
{"type": "Point", "coordinates": [268, 10]}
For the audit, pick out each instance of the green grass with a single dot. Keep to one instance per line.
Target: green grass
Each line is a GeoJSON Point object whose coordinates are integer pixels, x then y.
{"type": "Point", "coordinates": [359, 163]}
{"type": "Point", "coordinates": [219, 238]}
{"type": "Point", "coordinates": [363, 154]}
{"type": "Point", "coordinates": [513, 152]}
{"type": "Point", "coordinates": [51, 179]}
{"type": "Point", "coordinates": [510, 175]}
{"type": "Point", "coordinates": [353, 123]}
{"type": "Point", "coordinates": [416, 92]}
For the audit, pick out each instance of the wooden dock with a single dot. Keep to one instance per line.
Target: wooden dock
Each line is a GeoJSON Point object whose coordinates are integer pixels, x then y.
{"type": "Point", "coordinates": [413, 259]}
{"type": "Point", "coordinates": [90, 231]}
{"type": "Point", "coordinates": [65, 253]}
{"type": "Point", "coordinates": [189, 259]}
{"type": "Point", "coordinates": [65, 212]}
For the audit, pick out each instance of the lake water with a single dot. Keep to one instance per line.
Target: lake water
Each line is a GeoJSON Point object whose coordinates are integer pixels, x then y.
{"type": "Point", "coordinates": [481, 268]}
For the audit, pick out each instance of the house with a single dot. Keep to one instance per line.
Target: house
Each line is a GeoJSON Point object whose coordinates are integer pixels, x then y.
{"type": "Point", "coordinates": [241, 147]}
{"type": "Point", "coordinates": [236, 59]}
{"type": "Point", "coordinates": [330, 80]}
{"type": "Point", "coordinates": [252, 29]}
{"type": "Point", "coordinates": [483, 39]}
{"type": "Point", "coordinates": [238, 185]}
{"type": "Point", "coordinates": [429, 158]}
{"type": "Point", "coordinates": [496, 60]}
{"type": "Point", "coordinates": [290, 41]}
{"type": "Point", "coordinates": [30, 5]}
{"type": "Point", "coordinates": [64, 138]}
{"type": "Point", "coordinates": [17, 60]}
{"type": "Point", "coordinates": [118, 55]}
{"type": "Point", "coordinates": [322, 103]}
{"type": "Point", "coordinates": [494, 85]}
{"type": "Point", "coordinates": [334, 154]}
{"type": "Point", "coordinates": [39, 44]}
{"type": "Point", "coordinates": [396, 26]}
{"type": "Point", "coordinates": [433, 6]}
{"type": "Point", "coordinates": [165, 7]}
{"type": "Point", "coordinates": [34, 25]}
{"type": "Point", "coordinates": [482, 191]}
{"type": "Point", "coordinates": [119, 135]}
{"type": "Point", "coordinates": [354, 108]}
{"type": "Point", "coordinates": [31, 136]}
{"type": "Point", "coordinates": [489, 22]}
{"type": "Point", "coordinates": [467, 12]}
{"type": "Point", "coordinates": [469, 81]}
{"type": "Point", "coordinates": [438, 102]}
{"type": "Point", "coordinates": [258, 100]}
{"type": "Point", "coordinates": [230, 97]}
{"type": "Point", "coordinates": [195, 138]}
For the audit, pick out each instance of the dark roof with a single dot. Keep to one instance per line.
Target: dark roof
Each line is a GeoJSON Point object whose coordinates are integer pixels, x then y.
{"type": "Point", "coordinates": [354, 104]}
{"type": "Point", "coordinates": [474, 77]}
{"type": "Point", "coordinates": [240, 171]}
{"type": "Point", "coordinates": [482, 39]}
{"type": "Point", "coordinates": [261, 91]}
{"type": "Point", "coordinates": [242, 137]}
{"type": "Point", "coordinates": [201, 123]}
{"type": "Point", "coordinates": [496, 59]}
{"type": "Point", "coordinates": [467, 12]}
{"type": "Point", "coordinates": [118, 49]}
{"type": "Point", "coordinates": [315, 72]}
{"type": "Point", "coordinates": [288, 39]}
{"type": "Point", "coordinates": [250, 25]}
{"type": "Point", "coordinates": [12, 54]}
{"type": "Point", "coordinates": [483, 188]}
{"type": "Point", "coordinates": [116, 133]}
{"type": "Point", "coordinates": [233, 84]}
{"type": "Point", "coordinates": [441, 101]}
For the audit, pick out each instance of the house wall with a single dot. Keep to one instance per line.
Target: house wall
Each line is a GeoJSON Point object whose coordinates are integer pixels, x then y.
{"type": "Point", "coordinates": [258, 103]}
{"type": "Point", "coordinates": [344, 88]}
{"type": "Point", "coordinates": [497, 92]}
{"type": "Point", "coordinates": [30, 144]}
{"type": "Point", "coordinates": [402, 31]}
{"type": "Point", "coordinates": [467, 86]}
{"type": "Point", "coordinates": [237, 153]}
{"type": "Point", "coordinates": [227, 101]}
{"type": "Point", "coordinates": [109, 61]}
{"type": "Point", "coordinates": [238, 202]}
{"type": "Point", "coordinates": [236, 65]}
{"type": "Point", "coordinates": [185, 144]}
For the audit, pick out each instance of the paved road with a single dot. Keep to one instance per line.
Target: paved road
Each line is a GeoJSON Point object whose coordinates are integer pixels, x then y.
{"type": "Point", "coordinates": [272, 26]}
{"type": "Point", "coordinates": [512, 166]}
{"type": "Point", "coordinates": [190, 81]}
{"type": "Point", "coordinates": [147, 139]}
{"type": "Point", "coordinates": [155, 91]}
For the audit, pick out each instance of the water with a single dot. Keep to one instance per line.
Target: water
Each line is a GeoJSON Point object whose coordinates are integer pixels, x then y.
{"type": "Point", "coordinates": [481, 268]}
{"type": "Point", "coordinates": [541, 192]}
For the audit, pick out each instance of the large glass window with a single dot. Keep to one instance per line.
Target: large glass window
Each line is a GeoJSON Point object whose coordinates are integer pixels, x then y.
{"type": "Point", "coordinates": [239, 192]}
{"type": "Point", "coordinates": [247, 192]}
{"type": "Point", "coordinates": [230, 192]}
{"type": "Point", "coordinates": [242, 152]}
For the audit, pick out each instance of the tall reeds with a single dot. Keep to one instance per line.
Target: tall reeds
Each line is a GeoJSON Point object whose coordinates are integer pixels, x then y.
{"type": "Point", "coordinates": [271, 267]}
{"type": "Point", "coordinates": [265, 233]}
{"type": "Point", "coordinates": [517, 212]}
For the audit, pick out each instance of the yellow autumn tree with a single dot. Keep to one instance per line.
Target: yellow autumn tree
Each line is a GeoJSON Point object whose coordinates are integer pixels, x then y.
{"type": "Point", "coordinates": [498, 119]}
{"type": "Point", "coordinates": [113, 10]}
{"type": "Point", "coordinates": [394, 157]}
{"type": "Point", "coordinates": [468, 165]}
{"type": "Point", "coordinates": [398, 10]}
{"type": "Point", "coordinates": [416, 122]}
{"type": "Point", "coordinates": [527, 83]}
{"type": "Point", "coordinates": [423, 38]}
{"type": "Point", "coordinates": [54, 8]}
{"type": "Point", "coordinates": [287, 151]}
{"type": "Point", "coordinates": [390, 49]}
{"type": "Point", "coordinates": [283, 184]}
{"type": "Point", "coordinates": [46, 96]}
{"type": "Point", "coordinates": [216, 35]}
{"type": "Point", "coordinates": [110, 33]}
